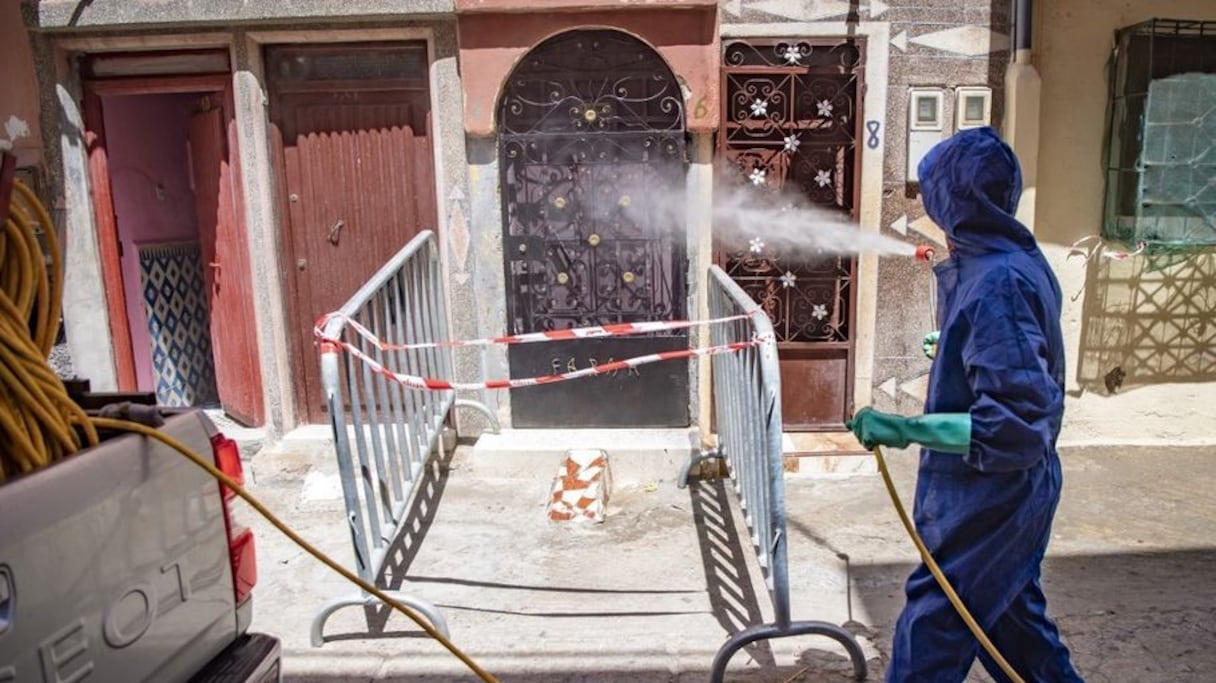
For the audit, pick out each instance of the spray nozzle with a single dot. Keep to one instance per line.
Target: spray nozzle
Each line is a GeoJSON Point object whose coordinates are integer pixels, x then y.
{"type": "Point", "coordinates": [926, 253]}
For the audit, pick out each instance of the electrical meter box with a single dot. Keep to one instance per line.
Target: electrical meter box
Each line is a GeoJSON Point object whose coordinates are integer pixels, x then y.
{"type": "Point", "coordinates": [926, 125]}
{"type": "Point", "coordinates": [973, 107]}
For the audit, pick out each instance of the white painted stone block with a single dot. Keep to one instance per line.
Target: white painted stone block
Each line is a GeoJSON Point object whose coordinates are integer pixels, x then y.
{"type": "Point", "coordinates": [580, 488]}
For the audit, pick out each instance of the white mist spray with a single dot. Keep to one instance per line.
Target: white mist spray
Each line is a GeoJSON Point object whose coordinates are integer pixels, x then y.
{"type": "Point", "coordinates": [751, 219]}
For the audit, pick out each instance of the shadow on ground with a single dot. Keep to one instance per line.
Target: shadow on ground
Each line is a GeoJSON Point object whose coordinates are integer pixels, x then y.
{"type": "Point", "coordinates": [1127, 614]}
{"type": "Point", "coordinates": [1143, 617]}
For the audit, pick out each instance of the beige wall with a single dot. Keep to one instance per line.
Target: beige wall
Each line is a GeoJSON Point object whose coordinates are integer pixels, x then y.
{"type": "Point", "coordinates": [1073, 42]}
{"type": "Point", "coordinates": [18, 88]}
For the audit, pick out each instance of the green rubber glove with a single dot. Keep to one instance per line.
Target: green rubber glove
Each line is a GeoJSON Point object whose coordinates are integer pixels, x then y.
{"type": "Point", "coordinates": [929, 345]}
{"type": "Point", "coordinates": [946, 432]}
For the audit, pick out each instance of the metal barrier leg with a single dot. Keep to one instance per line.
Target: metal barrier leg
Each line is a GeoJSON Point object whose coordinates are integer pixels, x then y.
{"type": "Point", "coordinates": [747, 405]}
{"type": "Point", "coordinates": [481, 408]}
{"type": "Point", "coordinates": [427, 610]}
{"type": "Point", "coordinates": [798, 628]}
{"type": "Point", "coordinates": [693, 461]}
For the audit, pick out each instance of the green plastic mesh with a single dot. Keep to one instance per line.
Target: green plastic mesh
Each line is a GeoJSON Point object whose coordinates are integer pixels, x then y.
{"type": "Point", "coordinates": [1178, 181]}
{"type": "Point", "coordinates": [1161, 170]}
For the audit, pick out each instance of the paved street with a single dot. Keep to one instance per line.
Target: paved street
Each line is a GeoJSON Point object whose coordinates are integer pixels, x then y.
{"type": "Point", "coordinates": [652, 593]}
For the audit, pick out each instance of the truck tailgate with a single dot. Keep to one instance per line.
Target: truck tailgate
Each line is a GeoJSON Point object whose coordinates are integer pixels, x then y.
{"type": "Point", "coordinates": [114, 564]}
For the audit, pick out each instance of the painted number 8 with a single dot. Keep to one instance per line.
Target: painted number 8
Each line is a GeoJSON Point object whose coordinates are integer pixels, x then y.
{"type": "Point", "coordinates": [873, 127]}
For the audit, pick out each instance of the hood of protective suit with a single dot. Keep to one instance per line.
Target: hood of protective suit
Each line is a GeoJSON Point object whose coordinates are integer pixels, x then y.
{"type": "Point", "coordinates": [970, 185]}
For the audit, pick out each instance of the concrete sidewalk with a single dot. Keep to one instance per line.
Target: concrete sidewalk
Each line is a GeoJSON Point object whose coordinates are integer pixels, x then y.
{"type": "Point", "coordinates": [651, 594]}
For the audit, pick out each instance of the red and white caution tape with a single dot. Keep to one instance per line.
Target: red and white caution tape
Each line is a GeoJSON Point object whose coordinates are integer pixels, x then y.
{"type": "Point", "coordinates": [427, 383]}
{"type": "Point", "coordinates": [595, 332]}
{"type": "Point", "coordinates": [1092, 245]}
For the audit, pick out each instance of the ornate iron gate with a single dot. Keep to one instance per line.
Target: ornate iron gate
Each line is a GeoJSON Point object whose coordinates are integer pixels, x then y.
{"type": "Point", "coordinates": [592, 143]}
{"type": "Point", "coordinates": [790, 125]}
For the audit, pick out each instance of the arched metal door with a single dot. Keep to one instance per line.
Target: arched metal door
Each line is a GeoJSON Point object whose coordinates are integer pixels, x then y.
{"type": "Point", "coordinates": [592, 155]}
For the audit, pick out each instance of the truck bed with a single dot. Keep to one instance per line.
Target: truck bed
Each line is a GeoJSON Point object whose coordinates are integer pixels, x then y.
{"type": "Point", "coordinates": [114, 564]}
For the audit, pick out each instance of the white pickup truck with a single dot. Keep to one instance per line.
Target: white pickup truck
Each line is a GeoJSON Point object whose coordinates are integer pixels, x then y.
{"type": "Point", "coordinates": [125, 563]}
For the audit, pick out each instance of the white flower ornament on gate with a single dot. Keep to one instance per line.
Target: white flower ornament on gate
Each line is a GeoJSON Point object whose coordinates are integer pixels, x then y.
{"type": "Point", "coordinates": [791, 143]}
{"type": "Point", "coordinates": [823, 178]}
{"type": "Point", "coordinates": [756, 245]}
{"type": "Point", "coordinates": [757, 176]}
{"type": "Point", "coordinates": [819, 312]}
{"type": "Point", "coordinates": [825, 108]}
{"type": "Point", "coordinates": [759, 107]}
{"type": "Point", "coordinates": [788, 279]}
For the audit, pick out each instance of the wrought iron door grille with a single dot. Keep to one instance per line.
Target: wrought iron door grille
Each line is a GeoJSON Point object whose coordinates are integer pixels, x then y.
{"type": "Point", "coordinates": [592, 81]}
{"type": "Point", "coordinates": [807, 301]}
{"type": "Point", "coordinates": [592, 127]}
{"type": "Point", "coordinates": [790, 129]}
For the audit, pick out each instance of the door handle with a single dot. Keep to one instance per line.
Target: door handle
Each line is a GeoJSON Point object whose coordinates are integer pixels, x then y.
{"type": "Point", "coordinates": [336, 231]}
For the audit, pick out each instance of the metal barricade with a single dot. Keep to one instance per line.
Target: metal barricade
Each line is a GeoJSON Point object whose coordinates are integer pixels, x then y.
{"type": "Point", "coordinates": [747, 405]}
{"type": "Point", "coordinates": [395, 429]}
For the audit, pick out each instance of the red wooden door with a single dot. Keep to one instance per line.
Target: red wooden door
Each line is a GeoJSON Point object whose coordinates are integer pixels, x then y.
{"type": "Point", "coordinates": [351, 127]}
{"type": "Point", "coordinates": [225, 255]}
{"type": "Point", "coordinates": [107, 240]}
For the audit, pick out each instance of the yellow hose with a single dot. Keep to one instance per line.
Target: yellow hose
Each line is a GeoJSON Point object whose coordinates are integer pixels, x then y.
{"type": "Point", "coordinates": [39, 422]}
{"type": "Point", "coordinates": [106, 423]}
{"type": "Point", "coordinates": [38, 419]}
{"type": "Point", "coordinates": [942, 581]}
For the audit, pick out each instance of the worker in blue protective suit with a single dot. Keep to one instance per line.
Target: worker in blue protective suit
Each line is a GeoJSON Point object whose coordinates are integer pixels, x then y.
{"type": "Point", "coordinates": [989, 477]}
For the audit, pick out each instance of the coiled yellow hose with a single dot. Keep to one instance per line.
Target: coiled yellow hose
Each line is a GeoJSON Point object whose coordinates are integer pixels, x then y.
{"type": "Point", "coordinates": [40, 421]}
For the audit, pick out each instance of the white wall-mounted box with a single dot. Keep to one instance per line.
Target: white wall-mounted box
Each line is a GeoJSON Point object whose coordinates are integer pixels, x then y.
{"type": "Point", "coordinates": [973, 107]}
{"type": "Point", "coordinates": [926, 124]}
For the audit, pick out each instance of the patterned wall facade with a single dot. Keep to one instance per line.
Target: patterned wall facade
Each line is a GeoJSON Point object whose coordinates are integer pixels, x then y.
{"type": "Point", "coordinates": [940, 44]}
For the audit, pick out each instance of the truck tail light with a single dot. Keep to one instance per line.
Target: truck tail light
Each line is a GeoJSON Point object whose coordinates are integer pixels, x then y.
{"type": "Point", "coordinates": [240, 538]}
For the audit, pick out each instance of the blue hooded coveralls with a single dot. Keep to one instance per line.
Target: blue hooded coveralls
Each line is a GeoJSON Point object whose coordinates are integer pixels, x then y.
{"type": "Point", "coordinates": [986, 516]}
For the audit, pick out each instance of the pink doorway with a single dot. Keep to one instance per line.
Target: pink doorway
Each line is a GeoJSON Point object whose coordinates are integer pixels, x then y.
{"type": "Point", "coordinates": [174, 255]}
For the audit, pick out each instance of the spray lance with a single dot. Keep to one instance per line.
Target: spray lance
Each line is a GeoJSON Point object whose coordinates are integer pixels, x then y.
{"type": "Point", "coordinates": [928, 254]}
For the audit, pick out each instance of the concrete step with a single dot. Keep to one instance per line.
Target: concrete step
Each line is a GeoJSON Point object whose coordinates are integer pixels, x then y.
{"type": "Point", "coordinates": [301, 452]}
{"type": "Point", "coordinates": [250, 440]}
{"type": "Point", "coordinates": [822, 454]}
{"type": "Point", "coordinates": [311, 449]}
{"type": "Point", "coordinates": [653, 455]}
{"type": "Point", "coordinates": [829, 465]}
{"type": "Point", "coordinates": [825, 454]}
{"type": "Point", "coordinates": [634, 455]}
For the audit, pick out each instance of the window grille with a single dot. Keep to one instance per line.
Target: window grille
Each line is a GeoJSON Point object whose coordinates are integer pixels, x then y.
{"type": "Point", "coordinates": [1161, 151]}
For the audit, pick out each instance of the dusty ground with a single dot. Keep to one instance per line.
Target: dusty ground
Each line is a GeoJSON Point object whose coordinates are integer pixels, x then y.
{"type": "Point", "coordinates": [653, 592]}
